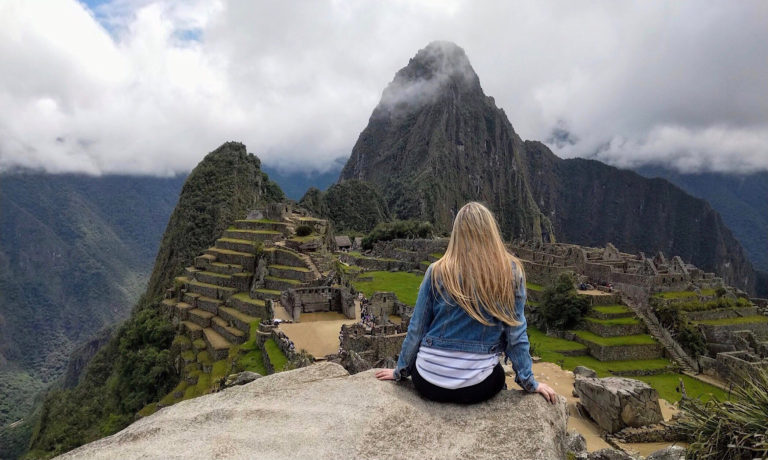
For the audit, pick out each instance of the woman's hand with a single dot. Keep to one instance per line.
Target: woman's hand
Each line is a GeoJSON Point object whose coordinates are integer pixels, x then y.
{"type": "Point", "coordinates": [385, 374]}
{"type": "Point", "coordinates": [547, 391]}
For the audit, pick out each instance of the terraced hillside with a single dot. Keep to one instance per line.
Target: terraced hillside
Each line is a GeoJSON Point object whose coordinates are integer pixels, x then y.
{"type": "Point", "coordinates": [218, 303]}
{"type": "Point", "coordinates": [614, 341]}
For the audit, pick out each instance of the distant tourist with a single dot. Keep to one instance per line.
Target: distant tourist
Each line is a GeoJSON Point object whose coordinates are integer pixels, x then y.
{"type": "Point", "coordinates": [452, 354]}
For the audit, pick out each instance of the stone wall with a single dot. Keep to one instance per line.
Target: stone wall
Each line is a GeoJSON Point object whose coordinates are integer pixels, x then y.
{"type": "Point", "coordinates": [721, 313]}
{"type": "Point", "coordinates": [317, 299]}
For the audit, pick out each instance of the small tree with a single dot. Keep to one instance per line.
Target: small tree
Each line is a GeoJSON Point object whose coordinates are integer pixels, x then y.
{"type": "Point", "coordinates": [562, 307]}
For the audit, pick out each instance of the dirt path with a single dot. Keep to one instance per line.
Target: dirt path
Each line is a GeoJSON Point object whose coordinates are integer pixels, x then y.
{"type": "Point", "coordinates": [562, 382]}
{"type": "Point", "coordinates": [318, 333]}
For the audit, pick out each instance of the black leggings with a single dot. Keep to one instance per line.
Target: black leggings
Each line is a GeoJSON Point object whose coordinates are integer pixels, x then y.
{"type": "Point", "coordinates": [476, 393]}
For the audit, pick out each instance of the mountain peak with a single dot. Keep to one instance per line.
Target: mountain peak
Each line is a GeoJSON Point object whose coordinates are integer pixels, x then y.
{"type": "Point", "coordinates": [438, 68]}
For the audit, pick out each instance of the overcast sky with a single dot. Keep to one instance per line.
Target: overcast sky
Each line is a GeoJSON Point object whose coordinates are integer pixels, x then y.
{"type": "Point", "coordinates": [150, 87]}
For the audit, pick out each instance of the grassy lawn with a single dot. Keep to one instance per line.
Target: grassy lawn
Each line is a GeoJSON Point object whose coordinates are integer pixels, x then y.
{"type": "Point", "coordinates": [739, 320]}
{"type": "Point", "coordinates": [639, 339]}
{"type": "Point", "coordinates": [547, 349]}
{"type": "Point", "coordinates": [534, 287]}
{"type": "Point", "coordinates": [405, 285]}
{"type": "Point", "coordinates": [288, 267]}
{"type": "Point", "coordinates": [666, 385]}
{"type": "Point", "coordinates": [611, 309]}
{"type": "Point", "coordinates": [276, 357]}
{"type": "Point", "coordinates": [548, 343]}
{"type": "Point", "coordinates": [676, 294]}
{"type": "Point", "coordinates": [437, 255]}
{"type": "Point", "coordinates": [614, 321]}
{"type": "Point", "coordinates": [247, 356]}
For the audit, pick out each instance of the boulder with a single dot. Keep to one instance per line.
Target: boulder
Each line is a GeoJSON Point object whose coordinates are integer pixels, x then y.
{"type": "Point", "coordinates": [583, 371]}
{"type": "Point", "coordinates": [576, 444]}
{"type": "Point", "coordinates": [608, 454]}
{"type": "Point", "coordinates": [668, 453]}
{"type": "Point", "coordinates": [618, 402]}
{"type": "Point", "coordinates": [241, 378]}
{"type": "Point", "coordinates": [322, 412]}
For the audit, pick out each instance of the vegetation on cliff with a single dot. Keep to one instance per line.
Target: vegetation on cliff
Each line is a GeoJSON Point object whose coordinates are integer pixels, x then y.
{"type": "Point", "coordinates": [388, 231]}
{"type": "Point", "coordinates": [352, 206]}
{"type": "Point", "coordinates": [136, 366]}
{"type": "Point", "coordinates": [75, 255]}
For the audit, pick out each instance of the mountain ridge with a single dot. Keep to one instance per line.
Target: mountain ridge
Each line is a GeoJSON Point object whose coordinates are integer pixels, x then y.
{"type": "Point", "coordinates": [451, 144]}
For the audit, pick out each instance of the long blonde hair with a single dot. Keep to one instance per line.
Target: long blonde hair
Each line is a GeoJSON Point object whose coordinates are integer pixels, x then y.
{"type": "Point", "coordinates": [476, 270]}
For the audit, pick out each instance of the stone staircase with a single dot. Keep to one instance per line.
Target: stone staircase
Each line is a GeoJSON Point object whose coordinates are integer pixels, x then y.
{"type": "Point", "coordinates": [662, 335]}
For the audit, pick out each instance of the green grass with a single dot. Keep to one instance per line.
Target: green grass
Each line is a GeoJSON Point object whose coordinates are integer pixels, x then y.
{"type": "Point", "coordinates": [437, 255]}
{"type": "Point", "coordinates": [738, 320]}
{"type": "Point", "coordinates": [639, 339]}
{"type": "Point", "coordinates": [547, 349]}
{"type": "Point", "coordinates": [552, 343]}
{"type": "Point", "coordinates": [149, 409]}
{"type": "Point", "coordinates": [244, 297]}
{"type": "Point", "coordinates": [169, 399]}
{"type": "Point", "coordinates": [613, 321]}
{"type": "Point", "coordinates": [204, 358]}
{"type": "Point", "coordinates": [188, 355]}
{"type": "Point", "coordinates": [666, 385]}
{"type": "Point", "coordinates": [405, 285]}
{"type": "Point", "coordinates": [261, 221]}
{"type": "Point", "coordinates": [199, 344]}
{"type": "Point", "coordinates": [611, 309]}
{"type": "Point", "coordinates": [182, 342]}
{"type": "Point", "coordinates": [283, 280]}
{"type": "Point", "coordinates": [304, 239]}
{"type": "Point", "coordinates": [676, 294]}
{"type": "Point", "coordinates": [707, 292]}
{"type": "Point", "coordinates": [247, 356]}
{"type": "Point", "coordinates": [203, 385]}
{"type": "Point", "coordinates": [276, 357]}
{"type": "Point", "coordinates": [534, 287]}
{"type": "Point", "coordinates": [219, 370]}
{"type": "Point", "coordinates": [288, 267]}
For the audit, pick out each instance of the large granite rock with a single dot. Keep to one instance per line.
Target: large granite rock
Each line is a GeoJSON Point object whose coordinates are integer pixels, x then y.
{"type": "Point", "coordinates": [321, 412]}
{"type": "Point", "coordinates": [617, 402]}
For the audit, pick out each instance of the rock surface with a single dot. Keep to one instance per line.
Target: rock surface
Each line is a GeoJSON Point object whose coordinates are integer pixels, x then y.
{"type": "Point", "coordinates": [617, 402]}
{"type": "Point", "coordinates": [583, 371]}
{"type": "Point", "coordinates": [322, 412]}
{"type": "Point", "coordinates": [668, 453]}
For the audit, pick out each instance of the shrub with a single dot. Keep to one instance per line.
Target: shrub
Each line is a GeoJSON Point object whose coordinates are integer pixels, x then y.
{"type": "Point", "coordinates": [388, 231]}
{"type": "Point", "coordinates": [303, 230]}
{"type": "Point", "coordinates": [561, 306]}
{"type": "Point", "coordinates": [731, 430]}
{"type": "Point", "coordinates": [685, 332]}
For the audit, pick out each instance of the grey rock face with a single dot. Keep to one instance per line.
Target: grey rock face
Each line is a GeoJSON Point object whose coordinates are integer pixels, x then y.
{"type": "Point", "coordinates": [321, 412]}
{"type": "Point", "coordinates": [575, 443]}
{"type": "Point", "coordinates": [668, 453]}
{"type": "Point", "coordinates": [584, 371]}
{"type": "Point", "coordinates": [241, 378]}
{"type": "Point", "coordinates": [608, 454]}
{"type": "Point", "coordinates": [616, 402]}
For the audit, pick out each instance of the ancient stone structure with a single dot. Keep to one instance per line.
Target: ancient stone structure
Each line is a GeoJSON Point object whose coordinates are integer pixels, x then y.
{"type": "Point", "coordinates": [321, 412]}
{"type": "Point", "coordinates": [617, 402]}
{"type": "Point", "coordinates": [633, 274]}
{"type": "Point", "coordinates": [317, 299]}
{"type": "Point", "coordinates": [236, 283]}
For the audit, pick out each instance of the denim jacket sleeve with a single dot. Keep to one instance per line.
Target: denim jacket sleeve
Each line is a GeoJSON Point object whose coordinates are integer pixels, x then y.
{"type": "Point", "coordinates": [517, 347]}
{"type": "Point", "coordinates": [417, 328]}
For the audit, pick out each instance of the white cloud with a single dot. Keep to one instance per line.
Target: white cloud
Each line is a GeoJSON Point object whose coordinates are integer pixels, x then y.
{"type": "Point", "coordinates": [150, 87]}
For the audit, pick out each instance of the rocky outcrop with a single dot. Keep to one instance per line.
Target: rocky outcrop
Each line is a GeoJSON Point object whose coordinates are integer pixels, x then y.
{"type": "Point", "coordinates": [436, 141]}
{"type": "Point", "coordinates": [617, 402]}
{"type": "Point", "coordinates": [322, 412]}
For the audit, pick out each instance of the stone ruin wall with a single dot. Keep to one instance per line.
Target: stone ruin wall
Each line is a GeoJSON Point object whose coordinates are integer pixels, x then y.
{"type": "Point", "coordinates": [317, 299]}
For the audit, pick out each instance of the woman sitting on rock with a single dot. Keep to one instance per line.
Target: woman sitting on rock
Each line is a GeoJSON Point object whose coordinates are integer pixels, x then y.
{"type": "Point", "coordinates": [469, 310]}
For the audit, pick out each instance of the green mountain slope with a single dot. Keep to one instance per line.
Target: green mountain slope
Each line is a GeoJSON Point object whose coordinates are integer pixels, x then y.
{"type": "Point", "coordinates": [75, 252]}
{"type": "Point", "coordinates": [136, 366]}
{"type": "Point", "coordinates": [742, 200]}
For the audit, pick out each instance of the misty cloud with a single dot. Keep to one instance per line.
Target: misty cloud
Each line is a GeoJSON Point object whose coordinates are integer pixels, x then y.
{"type": "Point", "coordinates": [151, 86]}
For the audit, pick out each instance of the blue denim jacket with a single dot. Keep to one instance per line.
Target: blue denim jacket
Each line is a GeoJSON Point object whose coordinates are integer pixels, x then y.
{"type": "Point", "coordinates": [439, 324]}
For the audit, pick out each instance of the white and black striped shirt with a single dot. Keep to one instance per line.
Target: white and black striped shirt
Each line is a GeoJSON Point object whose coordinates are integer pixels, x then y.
{"type": "Point", "coordinates": [454, 369]}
